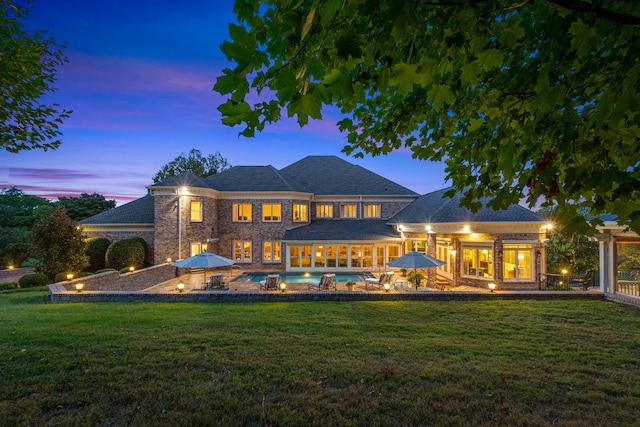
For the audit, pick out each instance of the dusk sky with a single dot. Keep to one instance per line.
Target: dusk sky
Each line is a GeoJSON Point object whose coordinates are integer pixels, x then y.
{"type": "Point", "coordinates": [139, 81]}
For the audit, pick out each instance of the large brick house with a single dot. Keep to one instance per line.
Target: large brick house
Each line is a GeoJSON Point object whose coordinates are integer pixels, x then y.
{"type": "Point", "coordinates": [323, 213]}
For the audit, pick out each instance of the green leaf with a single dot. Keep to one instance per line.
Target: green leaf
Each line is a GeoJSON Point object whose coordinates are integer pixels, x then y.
{"type": "Point", "coordinates": [440, 95]}
{"type": "Point", "coordinates": [470, 72]}
{"type": "Point", "coordinates": [490, 59]}
{"type": "Point", "coordinates": [474, 124]}
{"type": "Point", "coordinates": [511, 35]}
{"type": "Point", "coordinates": [304, 106]}
{"type": "Point", "coordinates": [234, 113]}
{"type": "Point", "coordinates": [403, 76]}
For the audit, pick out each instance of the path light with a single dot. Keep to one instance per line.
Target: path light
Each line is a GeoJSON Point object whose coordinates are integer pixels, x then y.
{"type": "Point", "coordinates": [79, 287]}
{"type": "Point", "coordinates": [387, 286]}
{"type": "Point", "coordinates": [283, 286]}
{"type": "Point", "coordinates": [180, 286]}
{"type": "Point", "coordinates": [492, 286]}
{"type": "Point", "coordinates": [69, 276]}
{"type": "Point", "coordinates": [131, 269]}
{"type": "Point", "coordinates": [11, 267]}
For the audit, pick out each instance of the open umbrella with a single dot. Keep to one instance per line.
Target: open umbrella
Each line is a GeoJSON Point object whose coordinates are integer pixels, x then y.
{"type": "Point", "coordinates": [415, 260]}
{"type": "Point", "coordinates": [204, 260]}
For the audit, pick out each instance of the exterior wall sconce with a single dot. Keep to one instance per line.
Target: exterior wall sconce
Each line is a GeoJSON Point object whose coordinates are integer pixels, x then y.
{"type": "Point", "coordinates": [492, 286]}
{"type": "Point", "coordinates": [79, 287]}
{"type": "Point", "coordinates": [283, 286]}
{"type": "Point", "coordinates": [180, 286]}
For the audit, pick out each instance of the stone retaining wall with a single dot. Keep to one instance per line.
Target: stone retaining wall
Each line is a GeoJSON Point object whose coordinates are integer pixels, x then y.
{"type": "Point", "coordinates": [114, 281]}
{"type": "Point", "coordinates": [336, 296]}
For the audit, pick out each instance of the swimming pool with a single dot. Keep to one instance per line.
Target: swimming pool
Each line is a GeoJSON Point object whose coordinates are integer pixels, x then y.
{"type": "Point", "coordinates": [297, 277]}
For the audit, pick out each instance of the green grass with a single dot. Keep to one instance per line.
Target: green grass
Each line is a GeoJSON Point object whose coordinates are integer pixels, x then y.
{"type": "Point", "coordinates": [525, 363]}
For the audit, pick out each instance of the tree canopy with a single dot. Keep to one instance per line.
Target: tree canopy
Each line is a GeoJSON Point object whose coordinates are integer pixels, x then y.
{"type": "Point", "coordinates": [193, 162]}
{"type": "Point", "coordinates": [28, 62]}
{"type": "Point", "coordinates": [539, 97]}
{"type": "Point", "coordinates": [84, 206]}
{"type": "Point", "coordinates": [18, 209]}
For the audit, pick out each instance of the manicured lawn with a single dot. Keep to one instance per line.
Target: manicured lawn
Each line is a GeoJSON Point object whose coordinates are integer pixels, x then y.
{"type": "Point", "coordinates": [566, 363]}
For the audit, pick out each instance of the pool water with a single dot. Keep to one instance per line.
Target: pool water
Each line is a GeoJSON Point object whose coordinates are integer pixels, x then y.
{"type": "Point", "coordinates": [302, 277]}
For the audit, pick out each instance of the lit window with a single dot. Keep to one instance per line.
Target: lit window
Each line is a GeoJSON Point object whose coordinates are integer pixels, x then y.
{"type": "Point", "coordinates": [196, 212]}
{"type": "Point", "coordinates": [300, 256]}
{"type": "Point", "coordinates": [517, 262]}
{"type": "Point", "coordinates": [348, 210]}
{"type": "Point", "coordinates": [324, 210]}
{"type": "Point", "coordinates": [477, 261]}
{"type": "Point", "coordinates": [242, 212]}
{"type": "Point", "coordinates": [372, 211]}
{"type": "Point", "coordinates": [242, 250]}
{"type": "Point", "coordinates": [196, 248]}
{"type": "Point", "coordinates": [271, 212]}
{"type": "Point", "coordinates": [300, 213]}
{"type": "Point", "coordinates": [271, 252]}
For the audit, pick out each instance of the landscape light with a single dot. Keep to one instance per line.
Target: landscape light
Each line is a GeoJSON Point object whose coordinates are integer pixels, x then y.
{"type": "Point", "coordinates": [387, 286]}
{"type": "Point", "coordinates": [492, 286]}
{"type": "Point", "coordinates": [79, 287]}
{"type": "Point", "coordinates": [283, 286]}
{"type": "Point", "coordinates": [180, 286]}
{"type": "Point", "coordinates": [69, 276]}
{"type": "Point", "coordinates": [131, 269]}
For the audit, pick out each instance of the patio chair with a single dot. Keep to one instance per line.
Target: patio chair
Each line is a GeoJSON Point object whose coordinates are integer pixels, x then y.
{"type": "Point", "coordinates": [386, 277]}
{"type": "Point", "coordinates": [216, 282]}
{"type": "Point", "coordinates": [324, 284]}
{"type": "Point", "coordinates": [586, 281]}
{"type": "Point", "coordinates": [270, 283]}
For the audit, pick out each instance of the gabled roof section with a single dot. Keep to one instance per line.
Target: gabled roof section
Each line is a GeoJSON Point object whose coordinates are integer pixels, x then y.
{"type": "Point", "coordinates": [343, 230]}
{"type": "Point", "coordinates": [185, 179]}
{"type": "Point", "coordinates": [434, 208]}
{"type": "Point", "coordinates": [253, 179]}
{"type": "Point", "coordinates": [139, 211]}
{"type": "Point", "coordinates": [332, 176]}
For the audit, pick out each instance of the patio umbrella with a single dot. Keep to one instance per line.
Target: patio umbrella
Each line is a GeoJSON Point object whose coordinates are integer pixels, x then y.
{"type": "Point", "coordinates": [416, 260]}
{"type": "Point", "coordinates": [204, 260]}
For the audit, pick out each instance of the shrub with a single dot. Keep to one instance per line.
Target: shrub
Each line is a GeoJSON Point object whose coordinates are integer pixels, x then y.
{"type": "Point", "coordinates": [61, 277]}
{"type": "Point", "coordinates": [30, 262]}
{"type": "Point", "coordinates": [126, 253]}
{"type": "Point", "coordinates": [8, 285]}
{"type": "Point", "coordinates": [561, 287]}
{"type": "Point", "coordinates": [105, 270]}
{"type": "Point", "coordinates": [124, 270]}
{"type": "Point", "coordinates": [85, 274]}
{"type": "Point", "coordinates": [31, 280]}
{"type": "Point", "coordinates": [96, 252]}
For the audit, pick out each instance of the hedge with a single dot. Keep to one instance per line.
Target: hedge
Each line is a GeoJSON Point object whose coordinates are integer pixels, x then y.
{"type": "Point", "coordinates": [8, 285]}
{"type": "Point", "coordinates": [35, 279]}
{"type": "Point", "coordinates": [125, 253]}
{"type": "Point", "coordinates": [96, 251]}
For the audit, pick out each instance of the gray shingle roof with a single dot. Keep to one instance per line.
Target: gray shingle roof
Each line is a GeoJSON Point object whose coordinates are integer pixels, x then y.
{"type": "Point", "coordinates": [332, 176]}
{"type": "Point", "coordinates": [185, 179]}
{"type": "Point", "coordinates": [253, 178]}
{"type": "Point", "coordinates": [139, 211]}
{"type": "Point", "coordinates": [435, 207]}
{"type": "Point", "coordinates": [343, 230]}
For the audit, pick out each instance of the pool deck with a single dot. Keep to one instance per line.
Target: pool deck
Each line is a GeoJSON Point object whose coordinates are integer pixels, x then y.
{"type": "Point", "coordinates": [250, 292]}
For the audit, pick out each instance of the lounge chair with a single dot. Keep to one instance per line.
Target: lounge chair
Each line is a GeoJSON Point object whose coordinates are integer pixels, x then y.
{"type": "Point", "coordinates": [379, 282]}
{"type": "Point", "coordinates": [216, 282]}
{"type": "Point", "coordinates": [324, 284]}
{"type": "Point", "coordinates": [270, 283]}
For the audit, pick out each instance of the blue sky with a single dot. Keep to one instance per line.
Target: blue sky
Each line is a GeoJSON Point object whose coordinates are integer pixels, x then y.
{"type": "Point", "coordinates": [139, 80]}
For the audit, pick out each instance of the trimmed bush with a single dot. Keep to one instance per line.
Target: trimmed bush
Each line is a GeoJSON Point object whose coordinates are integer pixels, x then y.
{"type": "Point", "coordinates": [96, 252]}
{"type": "Point", "coordinates": [85, 274]}
{"type": "Point", "coordinates": [35, 279]}
{"type": "Point", "coordinates": [125, 253]}
{"type": "Point", "coordinates": [124, 270]}
{"type": "Point", "coordinates": [30, 262]}
{"type": "Point", "coordinates": [8, 285]}
{"type": "Point", "coordinates": [105, 270]}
